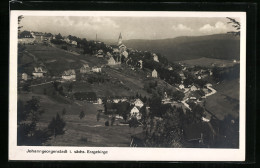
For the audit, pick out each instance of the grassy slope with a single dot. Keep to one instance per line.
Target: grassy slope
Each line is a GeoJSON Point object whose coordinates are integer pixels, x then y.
{"type": "Point", "coordinates": [218, 103]}
{"type": "Point", "coordinates": [77, 130]}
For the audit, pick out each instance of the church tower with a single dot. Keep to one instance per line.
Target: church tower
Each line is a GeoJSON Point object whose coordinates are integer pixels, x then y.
{"type": "Point", "coordinates": [120, 40]}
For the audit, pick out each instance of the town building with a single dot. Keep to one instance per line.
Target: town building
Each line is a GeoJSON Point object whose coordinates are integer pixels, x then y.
{"type": "Point", "coordinates": [100, 54]}
{"type": "Point", "coordinates": [193, 88]}
{"type": "Point", "coordinates": [24, 76]}
{"type": "Point", "coordinates": [111, 61]}
{"type": "Point", "coordinates": [141, 64]}
{"type": "Point", "coordinates": [85, 69]}
{"type": "Point", "coordinates": [138, 103]}
{"type": "Point", "coordinates": [155, 58]}
{"type": "Point", "coordinates": [135, 112]}
{"type": "Point", "coordinates": [74, 43]}
{"type": "Point", "coordinates": [69, 75]}
{"type": "Point", "coordinates": [38, 72]}
{"type": "Point", "coordinates": [181, 86]}
{"type": "Point", "coordinates": [96, 69]}
{"type": "Point", "coordinates": [154, 74]}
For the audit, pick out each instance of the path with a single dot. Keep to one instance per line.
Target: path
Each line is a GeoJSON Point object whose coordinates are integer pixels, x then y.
{"type": "Point", "coordinates": [41, 84]}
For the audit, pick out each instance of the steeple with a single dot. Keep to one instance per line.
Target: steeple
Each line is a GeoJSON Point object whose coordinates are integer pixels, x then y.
{"type": "Point", "coordinates": [120, 40]}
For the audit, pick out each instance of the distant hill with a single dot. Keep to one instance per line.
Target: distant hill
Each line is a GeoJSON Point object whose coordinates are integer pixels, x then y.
{"type": "Point", "coordinates": [218, 46]}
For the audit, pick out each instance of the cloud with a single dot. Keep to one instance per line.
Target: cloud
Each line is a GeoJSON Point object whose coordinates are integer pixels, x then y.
{"type": "Point", "coordinates": [219, 27]}
{"type": "Point", "coordinates": [181, 27]}
{"type": "Point", "coordinates": [90, 23]}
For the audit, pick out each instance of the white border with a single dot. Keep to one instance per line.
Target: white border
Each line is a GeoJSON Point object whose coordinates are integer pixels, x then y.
{"type": "Point", "coordinates": [122, 153]}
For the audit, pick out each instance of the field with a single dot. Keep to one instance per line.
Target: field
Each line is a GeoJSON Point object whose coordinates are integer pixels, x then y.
{"type": "Point", "coordinates": [225, 101]}
{"type": "Point", "coordinates": [207, 62]}
{"type": "Point", "coordinates": [82, 132]}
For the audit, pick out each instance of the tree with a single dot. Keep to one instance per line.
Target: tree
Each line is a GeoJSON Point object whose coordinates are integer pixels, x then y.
{"type": "Point", "coordinates": [133, 122]}
{"type": "Point", "coordinates": [19, 20]}
{"type": "Point", "coordinates": [82, 114]}
{"type": "Point", "coordinates": [107, 123]}
{"type": "Point", "coordinates": [28, 116]}
{"type": "Point", "coordinates": [58, 37]}
{"type": "Point", "coordinates": [112, 120]}
{"type": "Point", "coordinates": [164, 132]}
{"type": "Point", "coordinates": [98, 116]}
{"type": "Point", "coordinates": [64, 111]}
{"type": "Point", "coordinates": [236, 25]}
{"type": "Point", "coordinates": [178, 95]}
{"type": "Point", "coordinates": [70, 87]}
{"type": "Point", "coordinates": [57, 125]}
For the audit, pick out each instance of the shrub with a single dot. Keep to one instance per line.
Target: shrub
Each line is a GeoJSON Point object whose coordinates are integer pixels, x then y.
{"type": "Point", "coordinates": [107, 123]}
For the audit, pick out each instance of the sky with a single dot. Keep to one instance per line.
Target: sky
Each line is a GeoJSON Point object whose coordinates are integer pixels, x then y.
{"type": "Point", "coordinates": [131, 27]}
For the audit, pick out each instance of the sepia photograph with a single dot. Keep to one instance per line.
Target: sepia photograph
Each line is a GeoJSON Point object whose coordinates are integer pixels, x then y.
{"type": "Point", "coordinates": [132, 80]}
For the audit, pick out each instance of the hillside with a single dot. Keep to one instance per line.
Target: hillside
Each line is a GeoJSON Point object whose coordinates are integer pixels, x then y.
{"type": "Point", "coordinates": [218, 46]}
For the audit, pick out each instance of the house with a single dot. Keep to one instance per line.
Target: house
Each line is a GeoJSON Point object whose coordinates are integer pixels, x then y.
{"type": "Point", "coordinates": [135, 112]}
{"type": "Point", "coordinates": [111, 61]}
{"type": "Point", "coordinates": [74, 43]}
{"type": "Point", "coordinates": [182, 75]}
{"type": "Point", "coordinates": [100, 54]}
{"type": "Point", "coordinates": [24, 76]}
{"type": "Point", "coordinates": [84, 69]}
{"type": "Point", "coordinates": [155, 58]}
{"type": "Point", "coordinates": [193, 88]}
{"type": "Point", "coordinates": [38, 72]}
{"type": "Point", "coordinates": [138, 103]}
{"type": "Point", "coordinates": [96, 69]}
{"type": "Point", "coordinates": [154, 74]}
{"type": "Point", "coordinates": [99, 101]}
{"type": "Point", "coordinates": [181, 86]}
{"type": "Point", "coordinates": [141, 64]}
{"type": "Point", "coordinates": [125, 54]}
{"type": "Point", "coordinates": [69, 75]}
{"type": "Point", "coordinates": [170, 68]}
{"type": "Point", "coordinates": [25, 37]}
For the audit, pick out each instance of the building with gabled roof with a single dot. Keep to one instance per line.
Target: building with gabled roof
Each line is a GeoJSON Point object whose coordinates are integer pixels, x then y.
{"type": "Point", "coordinates": [69, 75]}
{"type": "Point", "coordinates": [135, 112]}
{"type": "Point", "coordinates": [154, 74]}
{"type": "Point", "coordinates": [38, 72]}
{"type": "Point", "coordinates": [84, 69]}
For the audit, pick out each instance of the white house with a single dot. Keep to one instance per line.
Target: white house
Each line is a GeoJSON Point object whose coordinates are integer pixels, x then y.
{"type": "Point", "coordinates": [111, 61]}
{"type": "Point", "coordinates": [141, 64]}
{"type": "Point", "coordinates": [138, 103]}
{"type": "Point", "coordinates": [99, 101]}
{"type": "Point", "coordinates": [125, 54]}
{"type": "Point", "coordinates": [135, 112]}
{"type": "Point", "coordinates": [193, 88]}
{"type": "Point", "coordinates": [154, 74]}
{"type": "Point", "coordinates": [69, 75]}
{"type": "Point", "coordinates": [100, 54]}
{"type": "Point", "coordinates": [96, 69]}
{"type": "Point", "coordinates": [182, 75]}
{"type": "Point", "coordinates": [38, 72]}
{"type": "Point", "coordinates": [181, 86]}
{"type": "Point", "coordinates": [24, 76]}
{"type": "Point", "coordinates": [155, 58]}
{"type": "Point", "coordinates": [84, 69]}
{"type": "Point", "coordinates": [74, 43]}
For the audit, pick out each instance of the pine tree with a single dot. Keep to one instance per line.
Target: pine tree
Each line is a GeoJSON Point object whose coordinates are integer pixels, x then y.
{"type": "Point", "coordinates": [81, 115]}
{"type": "Point", "coordinates": [57, 125]}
